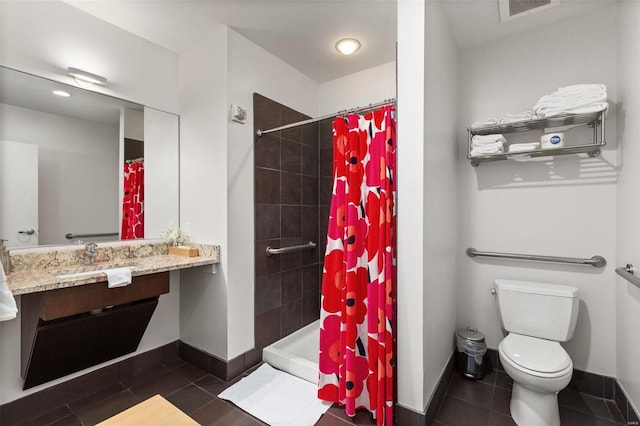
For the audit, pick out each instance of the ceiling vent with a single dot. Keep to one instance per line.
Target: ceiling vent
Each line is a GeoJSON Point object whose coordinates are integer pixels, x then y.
{"type": "Point", "coordinates": [511, 9]}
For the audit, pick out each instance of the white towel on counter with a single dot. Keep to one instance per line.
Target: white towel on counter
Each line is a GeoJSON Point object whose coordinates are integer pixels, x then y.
{"type": "Point", "coordinates": [480, 140]}
{"type": "Point", "coordinates": [118, 277]}
{"type": "Point", "coordinates": [8, 307]}
{"type": "Point", "coordinates": [520, 147]}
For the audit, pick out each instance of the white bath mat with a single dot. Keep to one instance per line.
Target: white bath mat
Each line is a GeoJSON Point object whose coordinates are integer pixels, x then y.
{"type": "Point", "coordinates": [277, 398]}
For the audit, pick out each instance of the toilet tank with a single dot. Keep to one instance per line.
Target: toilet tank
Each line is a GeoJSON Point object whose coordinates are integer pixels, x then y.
{"type": "Point", "coordinates": [547, 311]}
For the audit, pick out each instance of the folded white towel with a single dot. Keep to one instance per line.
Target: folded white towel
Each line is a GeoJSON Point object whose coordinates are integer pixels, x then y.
{"type": "Point", "coordinates": [582, 88]}
{"type": "Point", "coordinates": [553, 101]}
{"type": "Point", "coordinates": [568, 99]}
{"type": "Point", "coordinates": [585, 109]}
{"type": "Point", "coordinates": [479, 140]}
{"type": "Point", "coordinates": [485, 123]}
{"type": "Point", "coordinates": [8, 307]}
{"type": "Point", "coordinates": [520, 147]}
{"type": "Point", "coordinates": [516, 117]}
{"type": "Point", "coordinates": [118, 277]}
{"type": "Point", "coordinates": [487, 149]}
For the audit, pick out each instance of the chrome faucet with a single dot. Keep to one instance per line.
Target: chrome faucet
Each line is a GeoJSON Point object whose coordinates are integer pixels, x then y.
{"type": "Point", "coordinates": [89, 253]}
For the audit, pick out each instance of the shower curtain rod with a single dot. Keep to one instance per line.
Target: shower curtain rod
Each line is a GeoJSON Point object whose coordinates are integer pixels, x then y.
{"type": "Point", "coordinates": [324, 117]}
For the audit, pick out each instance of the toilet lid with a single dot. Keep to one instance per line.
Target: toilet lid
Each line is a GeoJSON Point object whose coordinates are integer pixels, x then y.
{"type": "Point", "coordinates": [544, 356]}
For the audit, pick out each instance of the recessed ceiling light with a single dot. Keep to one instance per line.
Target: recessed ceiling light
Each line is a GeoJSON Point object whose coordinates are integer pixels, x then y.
{"type": "Point", "coordinates": [347, 46]}
{"type": "Point", "coordinates": [61, 93]}
{"type": "Point", "coordinates": [83, 77]}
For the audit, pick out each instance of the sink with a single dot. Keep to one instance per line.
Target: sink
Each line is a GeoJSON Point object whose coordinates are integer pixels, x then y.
{"type": "Point", "coordinates": [75, 273]}
{"type": "Point", "coordinates": [94, 268]}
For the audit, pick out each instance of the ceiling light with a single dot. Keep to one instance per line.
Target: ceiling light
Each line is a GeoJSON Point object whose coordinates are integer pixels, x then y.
{"type": "Point", "coordinates": [61, 93]}
{"type": "Point", "coordinates": [347, 46]}
{"type": "Point", "coordinates": [83, 77]}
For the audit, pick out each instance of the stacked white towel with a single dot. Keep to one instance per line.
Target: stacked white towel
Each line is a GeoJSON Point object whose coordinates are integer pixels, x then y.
{"type": "Point", "coordinates": [521, 147]}
{"type": "Point", "coordinates": [516, 117]}
{"type": "Point", "coordinates": [8, 307]}
{"type": "Point", "coordinates": [487, 144]}
{"type": "Point", "coordinates": [575, 99]}
{"type": "Point", "coordinates": [485, 123]}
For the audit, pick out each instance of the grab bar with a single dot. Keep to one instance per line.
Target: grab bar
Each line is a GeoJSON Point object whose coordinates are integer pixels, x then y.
{"type": "Point", "coordinates": [596, 261]}
{"type": "Point", "coordinates": [71, 236]}
{"type": "Point", "coordinates": [291, 249]}
{"type": "Point", "coordinates": [626, 272]}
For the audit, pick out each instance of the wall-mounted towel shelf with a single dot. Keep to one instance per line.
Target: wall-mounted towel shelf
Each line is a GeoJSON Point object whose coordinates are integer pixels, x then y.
{"type": "Point", "coordinates": [291, 249]}
{"type": "Point", "coordinates": [593, 119]}
{"type": "Point", "coordinates": [626, 272]}
{"type": "Point", "coordinates": [596, 261]}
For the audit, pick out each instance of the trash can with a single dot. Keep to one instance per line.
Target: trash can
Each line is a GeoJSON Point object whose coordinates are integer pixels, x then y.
{"type": "Point", "coordinates": [471, 349]}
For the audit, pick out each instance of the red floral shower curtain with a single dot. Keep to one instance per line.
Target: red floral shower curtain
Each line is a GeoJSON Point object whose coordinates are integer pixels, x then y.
{"type": "Point", "coordinates": [359, 276]}
{"type": "Point", "coordinates": [133, 201]}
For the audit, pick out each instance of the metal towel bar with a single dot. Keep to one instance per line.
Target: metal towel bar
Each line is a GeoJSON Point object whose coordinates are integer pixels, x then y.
{"type": "Point", "coordinates": [291, 249]}
{"type": "Point", "coordinates": [596, 261]}
{"type": "Point", "coordinates": [71, 236]}
{"type": "Point", "coordinates": [626, 272]}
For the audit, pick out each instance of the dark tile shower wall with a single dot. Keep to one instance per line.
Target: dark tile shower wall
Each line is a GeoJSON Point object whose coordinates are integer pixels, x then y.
{"type": "Point", "coordinates": [287, 212]}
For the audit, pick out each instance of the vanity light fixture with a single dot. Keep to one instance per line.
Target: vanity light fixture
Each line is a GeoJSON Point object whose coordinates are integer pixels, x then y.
{"type": "Point", "coordinates": [61, 93]}
{"type": "Point", "coordinates": [347, 46]}
{"type": "Point", "coordinates": [83, 77]}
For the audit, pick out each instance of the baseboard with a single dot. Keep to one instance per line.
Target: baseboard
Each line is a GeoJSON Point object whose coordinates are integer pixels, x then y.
{"type": "Point", "coordinates": [224, 370]}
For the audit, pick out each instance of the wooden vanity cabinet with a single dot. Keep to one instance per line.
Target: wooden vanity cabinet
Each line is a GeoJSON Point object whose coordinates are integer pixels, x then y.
{"type": "Point", "coordinates": [70, 329]}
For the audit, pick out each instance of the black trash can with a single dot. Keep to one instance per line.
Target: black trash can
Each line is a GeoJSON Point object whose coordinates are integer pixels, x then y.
{"type": "Point", "coordinates": [470, 351]}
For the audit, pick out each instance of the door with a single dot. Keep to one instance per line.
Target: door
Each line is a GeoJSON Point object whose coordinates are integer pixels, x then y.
{"type": "Point", "coordinates": [19, 194]}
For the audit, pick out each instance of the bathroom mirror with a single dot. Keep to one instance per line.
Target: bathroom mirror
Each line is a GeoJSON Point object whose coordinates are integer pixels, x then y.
{"type": "Point", "coordinates": [63, 161]}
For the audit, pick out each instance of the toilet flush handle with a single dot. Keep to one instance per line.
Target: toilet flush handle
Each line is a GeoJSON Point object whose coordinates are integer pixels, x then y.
{"type": "Point", "coordinates": [493, 291]}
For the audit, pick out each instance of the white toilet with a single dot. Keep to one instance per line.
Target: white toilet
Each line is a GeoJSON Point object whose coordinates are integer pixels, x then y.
{"type": "Point", "coordinates": [537, 316]}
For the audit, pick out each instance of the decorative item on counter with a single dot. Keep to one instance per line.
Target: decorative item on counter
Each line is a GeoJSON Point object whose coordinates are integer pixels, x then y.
{"type": "Point", "coordinates": [178, 240]}
{"type": "Point", "coordinates": [175, 236]}
{"type": "Point", "coordinates": [184, 251]}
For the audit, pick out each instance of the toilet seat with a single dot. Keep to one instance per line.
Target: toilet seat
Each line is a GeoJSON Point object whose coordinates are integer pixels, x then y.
{"type": "Point", "coordinates": [538, 357]}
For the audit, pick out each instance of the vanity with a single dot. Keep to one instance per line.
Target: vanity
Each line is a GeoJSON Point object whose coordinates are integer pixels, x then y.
{"type": "Point", "coordinates": [72, 320]}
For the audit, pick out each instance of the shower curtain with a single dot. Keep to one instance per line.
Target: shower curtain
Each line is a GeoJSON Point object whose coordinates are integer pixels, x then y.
{"type": "Point", "coordinates": [133, 201]}
{"type": "Point", "coordinates": [359, 277]}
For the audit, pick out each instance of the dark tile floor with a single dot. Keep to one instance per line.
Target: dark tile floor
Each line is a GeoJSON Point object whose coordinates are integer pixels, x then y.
{"type": "Point", "coordinates": [186, 386]}
{"type": "Point", "coordinates": [486, 403]}
{"type": "Point", "coordinates": [473, 403]}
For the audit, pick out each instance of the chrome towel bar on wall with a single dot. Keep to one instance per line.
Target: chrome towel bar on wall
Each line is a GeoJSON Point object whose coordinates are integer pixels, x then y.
{"type": "Point", "coordinates": [71, 236]}
{"type": "Point", "coordinates": [291, 249]}
{"type": "Point", "coordinates": [596, 261]}
{"type": "Point", "coordinates": [626, 272]}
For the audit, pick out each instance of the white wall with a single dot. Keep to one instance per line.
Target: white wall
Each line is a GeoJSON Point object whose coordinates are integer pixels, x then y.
{"type": "Point", "coordinates": [562, 207]}
{"type": "Point", "coordinates": [360, 89]}
{"type": "Point", "coordinates": [74, 157]}
{"type": "Point", "coordinates": [440, 191]}
{"type": "Point", "coordinates": [627, 305]}
{"type": "Point", "coordinates": [251, 69]}
{"type": "Point", "coordinates": [47, 37]}
{"type": "Point", "coordinates": [411, 178]}
{"type": "Point", "coordinates": [203, 189]}
{"type": "Point", "coordinates": [218, 153]}
{"type": "Point", "coordinates": [44, 38]}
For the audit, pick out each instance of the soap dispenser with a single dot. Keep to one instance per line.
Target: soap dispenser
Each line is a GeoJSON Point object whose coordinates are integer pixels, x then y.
{"type": "Point", "coordinates": [4, 257]}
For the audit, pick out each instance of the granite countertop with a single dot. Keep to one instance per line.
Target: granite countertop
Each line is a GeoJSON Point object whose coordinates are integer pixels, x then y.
{"type": "Point", "coordinates": [32, 280]}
